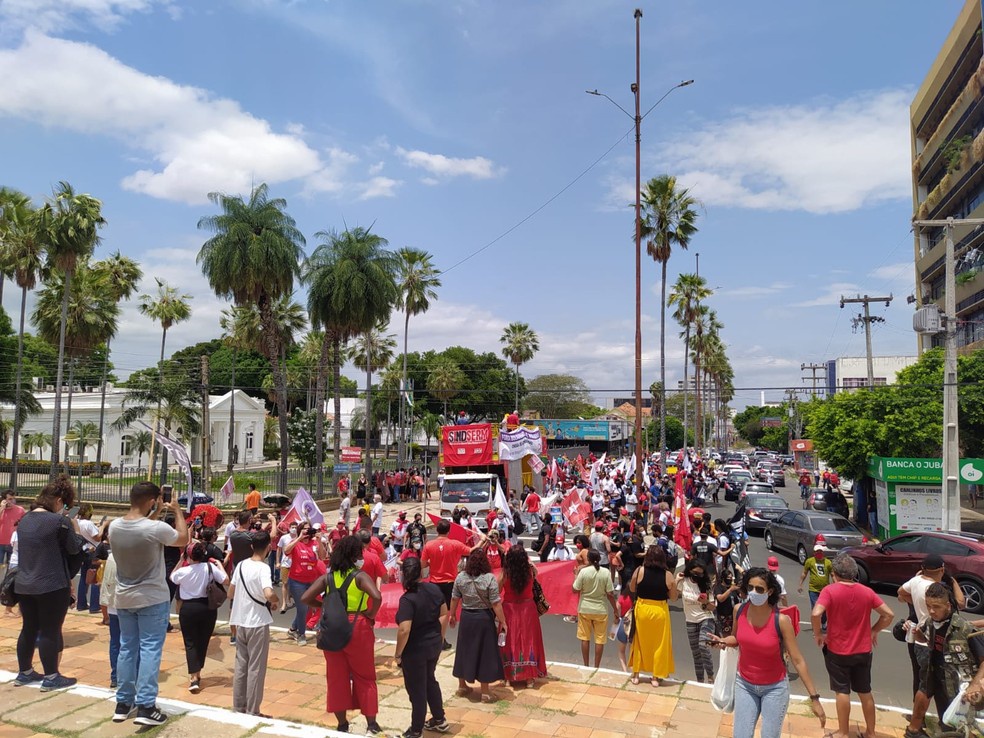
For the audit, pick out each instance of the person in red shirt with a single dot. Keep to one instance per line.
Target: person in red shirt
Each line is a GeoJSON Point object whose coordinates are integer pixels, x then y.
{"type": "Point", "coordinates": [372, 562]}
{"type": "Point", "coordinates": [849, 639]}
{"type": "Point", "coordinates": [10, 515]}
{"type": "Point", "coordinates": [441, 556]}
{"type": "Point", "coordinates": [337, 533]}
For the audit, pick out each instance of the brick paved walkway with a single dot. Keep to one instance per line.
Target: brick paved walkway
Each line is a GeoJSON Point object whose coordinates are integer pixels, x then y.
{"type": "Point", "coordinates": [572, 703]}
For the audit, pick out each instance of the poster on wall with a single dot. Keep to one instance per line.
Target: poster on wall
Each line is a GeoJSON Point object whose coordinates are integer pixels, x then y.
{"type": "Point", "coordinates": [884, 513]}
{"type": "Point", "coordinates": [918, 508]}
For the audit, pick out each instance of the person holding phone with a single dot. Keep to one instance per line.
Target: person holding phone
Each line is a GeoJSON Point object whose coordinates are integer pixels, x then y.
{"type": "Point", "coordinates": [88, 594]}
{"type": "Point", "coordinates": [138, 541]}
{"type": "Point", "coordinates": [307, 555]}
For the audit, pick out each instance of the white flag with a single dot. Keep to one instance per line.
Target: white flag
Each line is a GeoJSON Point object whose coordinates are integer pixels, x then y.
{"type": "Point", "coordinates": [228, 490]}
{"type": "Point", "coordinates": [501, 501]}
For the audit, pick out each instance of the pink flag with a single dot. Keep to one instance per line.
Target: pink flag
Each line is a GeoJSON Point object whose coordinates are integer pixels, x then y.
{"type": "Point", "coordinates": [228, 490]}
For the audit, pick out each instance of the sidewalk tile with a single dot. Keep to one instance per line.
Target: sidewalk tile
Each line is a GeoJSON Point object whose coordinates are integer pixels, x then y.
{"type": "Point", "coordinates": [85, 719]}
{"type": "Point", "coordinates": [31, 714]}
{"type": "Point", "coordinates": [192, 727]}
{"type": "Point", "coordinates": [13, 698]}
{"type": "Point", "coordinates": [13, 731]}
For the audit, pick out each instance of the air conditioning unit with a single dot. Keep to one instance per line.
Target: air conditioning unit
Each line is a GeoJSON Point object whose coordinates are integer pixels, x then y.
{"type": "Point", "coordinates": [36, 382]}
{"type": "Point", "coordinates": [927, 320]}
{"type": "Point", "coordinates": [49, 388]}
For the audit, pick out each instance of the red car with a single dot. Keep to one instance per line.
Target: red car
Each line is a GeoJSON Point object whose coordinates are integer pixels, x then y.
{"type": "Point", "coordinates": [897, 560]}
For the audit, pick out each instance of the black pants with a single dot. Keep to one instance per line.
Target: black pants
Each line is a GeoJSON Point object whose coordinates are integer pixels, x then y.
{"type": "Point", "coordinates": [43, 615]}
{"type": "Point", "coordinates": [446, 589]}
{"type": "Point", "coordinates": [422, 689]}
{"type": "Point", "coordinates": [197, 623]}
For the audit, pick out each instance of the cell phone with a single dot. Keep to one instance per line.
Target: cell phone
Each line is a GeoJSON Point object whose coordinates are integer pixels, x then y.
{"type": "Point", "coordinates": [73, 512]}
{"type": "Point", "coordinates": [104, 519]}
{"type": "Point", "coordinates": [166, 491]}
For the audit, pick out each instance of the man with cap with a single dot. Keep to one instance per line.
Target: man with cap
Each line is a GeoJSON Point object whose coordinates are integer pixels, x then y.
{"type": "Point", "coordinates": [818, 569]}
{"type": "Point", "coordinates": [398, 531]}
{"type": "Point", "coordinates": [913, 593]}
{"type": "Point", "coordinates": [415, 535]}
{"type": "Point", "coordinates": [773, 565]}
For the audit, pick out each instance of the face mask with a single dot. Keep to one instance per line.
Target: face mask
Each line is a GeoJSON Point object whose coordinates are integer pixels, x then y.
{"type": "Point", "coordinates": [758, 598]}
{"type": "Point", "coordinates": [293, 531]}
{"type": "Point", "coordinates": [359, 563]}
{"type": "Point", "coordinates": [941, 623]}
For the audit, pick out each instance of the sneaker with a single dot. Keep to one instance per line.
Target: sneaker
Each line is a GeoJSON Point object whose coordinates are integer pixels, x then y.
{"type": "Point", "coordinates": [373, 728]}
{"type": "Point", "coordinates": [438, 724]}
{"type": "Point", "coordinates": [446, 647]}
{"type": "Point", "coordinates": [27, 677]}
{"type": "Point", "coordinates": [300, 641]}
{"type": "Point", "coordinates": [57, 682]}
{"type": "Point", "coordinates": [292, 633]}
{"type": "Point", "coordinates": [232, 640]}
{"type": "Point", "coordinates": [411, 734]}
{"type": "Point", "coordinates": [921, 733]}
{"type": "Point", "coordinates": [124, 712]}
{"type": "Point", "coordinates": [150, 716]}
{"type": "Point", "coordinates": [113, 684]}
{"type": "Point", "coordinates": [196, 686]}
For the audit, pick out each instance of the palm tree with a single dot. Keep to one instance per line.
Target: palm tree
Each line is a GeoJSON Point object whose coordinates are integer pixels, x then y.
{"type": "Point", "coordinates": [253, 257]}
{"type": "Point", "coordinates": [430, 426]}
{"type": "Point", "coordinates": [668, 219]}
{"type": "Point", "coordinates": [39, 440]}
{"type": "Point", "coordinates": [352, 287]}
{"type": "Point", "coordinates": [88, 322]}
{"type": "Point", "coordinates": [68, 225]}
{"type": "Point", "coordinates": [22, 256]}
{"type": "Point", "coordinates": [122, 276]}
{"type": "Point", "coordinates": [140, 443]}
{"type": "Point", "coordinates": [372, 351]}
{"type": "Point", "coordinates": [706, 326]}
{"type": "Point", "coordinates": [686, 295]}
{"type": "Point", "coordinates": [6, 427]}
{"type": "Point", "coordinates": [241, 331]}
{"type": "Point", "coordinates": [520, 343]}
{"type": "Point", "coordinates": [444, 381]}
{"type": "Point", "coordinates": [417, 281]}
{"type": "Point", "coordinates": [83, 434]}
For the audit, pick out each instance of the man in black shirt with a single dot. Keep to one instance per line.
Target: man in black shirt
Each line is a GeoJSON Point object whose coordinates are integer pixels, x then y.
{"type": "Point", "coordinates": [704, 549]}
{"type": "Point", "coordinates": [416, 534]}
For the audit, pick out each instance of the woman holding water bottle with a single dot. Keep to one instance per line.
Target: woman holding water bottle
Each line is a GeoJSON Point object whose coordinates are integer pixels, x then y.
{"type": "Point", "coordinates": [483, 626]}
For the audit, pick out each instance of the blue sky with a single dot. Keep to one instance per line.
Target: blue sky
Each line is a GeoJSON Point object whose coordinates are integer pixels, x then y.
{"type": "Point", "coordinates": [444, 123]}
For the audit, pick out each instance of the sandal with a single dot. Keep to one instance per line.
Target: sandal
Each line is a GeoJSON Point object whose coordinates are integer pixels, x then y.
{"type": "Point", "coordinates": [656, 682]}
{"type": "Point", "coordinates": [634, 679]}
{"type": "Point", "coordinates": [487, 698]}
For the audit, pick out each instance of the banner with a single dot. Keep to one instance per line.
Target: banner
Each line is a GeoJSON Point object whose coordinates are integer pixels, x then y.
{"type": "Point", "coordinates": [467, 445]}
{"type": "Point", "coordinates": [351, 454]}
{"type": "Point", "coordinates": [578, 430]}
{"type": "Point", "coordinates": [303, 508]}
{"type": "Point", "coordinates": [180, 455]}
{"type": "Point", "coordinates": [515, 444]}
{"type": "Point", "coordinates": [536, 464]}
{"type": "Point", "coordinates": [228, 490]}
{"type": "Point", "coordinates": [575, 510]}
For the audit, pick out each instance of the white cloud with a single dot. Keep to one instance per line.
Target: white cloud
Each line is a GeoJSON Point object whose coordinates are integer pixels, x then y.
{"type": "Point", "coordinates": [379, 187]}
{"type": "Point", "coordinates": [439, 165]}
{"type": "Point", "coordinates": [756, 291]}
{"type": "Point", "coordinates": [824, 157]}
{"type": "Point", "coordinates": [199, 143]}
{"type": "Point", "coordinates": [830, 296]}
{"type": "Point", "coordinates": [902, 270]}
{"type": "Point", "coordinates": [48, 15]}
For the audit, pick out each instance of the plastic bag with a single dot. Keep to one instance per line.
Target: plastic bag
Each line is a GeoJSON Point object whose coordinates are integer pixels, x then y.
{"type": "Point", "coordinates": [959, 711]}
{"type": "Point", "coordinates": [723, 693]}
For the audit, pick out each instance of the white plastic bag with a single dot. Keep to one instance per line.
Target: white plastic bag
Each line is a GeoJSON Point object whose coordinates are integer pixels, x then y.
{"type": "Point", "coordinates": [723, 693]}
{"type": "Point", "coordinates": [958, 712]}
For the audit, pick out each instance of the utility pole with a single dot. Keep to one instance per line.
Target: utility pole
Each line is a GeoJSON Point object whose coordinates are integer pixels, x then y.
{"type": "Point", "coordinates": [951, 407]}
{"type": "Point", "coordinates": [867, 319]}
{"type": "Point", "coordinates": [206, 431]}
{"type": "Point", "coordinates": [814, 368]}
{"type": "Point", "coordinates": [791, 413]}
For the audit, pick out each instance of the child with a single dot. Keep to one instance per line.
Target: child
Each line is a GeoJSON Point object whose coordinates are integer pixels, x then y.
{"type": "Point", "coordinates": [622, 628]}
{"type": "Point", "coordinates": [107, 599]}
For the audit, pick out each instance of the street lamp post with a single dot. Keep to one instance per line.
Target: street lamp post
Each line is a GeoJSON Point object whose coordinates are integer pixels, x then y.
{"type": "Point", "coordinates": [637, 119]}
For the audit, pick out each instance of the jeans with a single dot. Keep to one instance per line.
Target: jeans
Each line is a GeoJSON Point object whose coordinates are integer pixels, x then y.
{"type": "Point", "coordinates": [814, 596]}
{"type": "Point", "coordinates": [142, 633]}
{"type": "Point", "coordinates": [752, 700]}
{"type": "Point", "coordinates": [5, 553]}
{"type": "Point", "coordinates": [297, 590]}
{"type": "Point", "coordinates": [274, 569]}
{"type": "Point", "coordinates": [114, 646]}
{"type": "Point", "coordinates": [90, 602]}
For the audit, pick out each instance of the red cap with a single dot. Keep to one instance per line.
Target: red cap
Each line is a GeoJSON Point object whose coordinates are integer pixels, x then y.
{"type": "Point", "coordinates": [772, 563]}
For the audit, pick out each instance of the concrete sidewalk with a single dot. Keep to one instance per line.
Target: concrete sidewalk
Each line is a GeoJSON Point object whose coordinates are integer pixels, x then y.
{"type": "Point", "coordinates": [571, 703]}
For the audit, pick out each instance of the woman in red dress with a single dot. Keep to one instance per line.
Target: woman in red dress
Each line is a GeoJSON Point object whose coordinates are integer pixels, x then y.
{"type": "Point", "coordinates": [523, 657]}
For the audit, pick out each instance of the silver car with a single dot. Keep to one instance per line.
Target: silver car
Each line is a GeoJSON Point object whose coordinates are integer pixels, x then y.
{"type": "Point", "coordinates": [797, 531]}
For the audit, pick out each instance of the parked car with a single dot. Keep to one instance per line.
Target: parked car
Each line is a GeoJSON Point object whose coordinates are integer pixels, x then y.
{"type": "Point", "coordinates": [797, 531]}
{"type": "Point", "coordinates": [832, 501]}
{"type": "Point", "coordinates": [761, 488]}
{"type": "Point", "coordinates": [898, 559]}
{"type": "Point", "coordinates": [761, 507]}
{"type": "Point", "coordinates": [733, 484]}
{"type": "Point", "coordinates": [769, 471]}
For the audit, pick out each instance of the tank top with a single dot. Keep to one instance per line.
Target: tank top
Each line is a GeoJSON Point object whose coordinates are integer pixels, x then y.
{"type": "Point", "coordinates": [653, 584]}
{"type": "Point", "coordinates": [598, 544]}
{"type": "Point", "coordinates": [759, 651]}
{"type": "Point", "coordinates": [356, 599]}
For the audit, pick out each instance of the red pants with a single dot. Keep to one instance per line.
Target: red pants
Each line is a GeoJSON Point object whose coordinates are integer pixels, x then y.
{"type": "Point", "coordinates": [350, 674]}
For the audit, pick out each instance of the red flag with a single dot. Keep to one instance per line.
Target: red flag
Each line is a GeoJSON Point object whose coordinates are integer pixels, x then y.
{"type": "Point", "coordinates": [575, 509]}
{"type": "Point", "coordinates": [681, 531]}
{"type": "Point", "coordinates": [457, 532]}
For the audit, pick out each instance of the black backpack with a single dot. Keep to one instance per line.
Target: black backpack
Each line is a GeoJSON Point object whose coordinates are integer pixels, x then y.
{"type": "Point", "coordinates": [334, 627]}
{"type": "Point", "coordinates": [518, 527]}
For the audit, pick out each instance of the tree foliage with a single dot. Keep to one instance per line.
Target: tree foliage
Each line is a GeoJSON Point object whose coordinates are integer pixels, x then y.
{"type": "Point", "coordinates": [301, 426]}
{"type": "Point", "coordinates": [560, 396]}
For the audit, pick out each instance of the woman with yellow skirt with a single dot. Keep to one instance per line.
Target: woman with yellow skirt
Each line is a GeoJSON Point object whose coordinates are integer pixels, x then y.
{"type": "Point", "coordinates": [652, 644]}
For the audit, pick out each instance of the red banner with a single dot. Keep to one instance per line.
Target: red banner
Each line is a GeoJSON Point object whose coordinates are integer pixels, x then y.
{"type": "Point", "coordinates": [467, 445]}
{"type": "Point", "coordinates": [575, 510]}
{"type": "Point", "coordinates": [351, 454]}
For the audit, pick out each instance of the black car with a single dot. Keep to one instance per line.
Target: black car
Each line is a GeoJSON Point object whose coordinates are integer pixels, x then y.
{"type": "Point", "coordinates": [761, 507]}
{"type": "Point", "coordinates": [734, 483]}
{"type": "Point", "coordinates": [828, 501]}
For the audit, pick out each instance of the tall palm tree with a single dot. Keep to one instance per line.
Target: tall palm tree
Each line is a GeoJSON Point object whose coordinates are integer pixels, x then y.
{"type": "Point", "coordinates": [22, 254]}
{"type": "Point", "coordinates": [122, 275]}
{"type": "Point", "coordinates": [669, 218]}
{"type": "Point", "coordinates": [90, 319]}
{"type": "Point", "coordinates": [167, 307]}
{"type": "Point", "coordinates": [372, 351]}
{"type": "Point", "coordinates": [352, 286]}
{"type": "Point", "coordinates": [83, 434]}
{"type": "Point", "coordinates": [140, 444]}
{"type": "Point", "coordinates": [253, 257]}
{"type": "Point", "coordinates": [418, 280]}
{"type": "Point", "coordinates": [706, 327]}
{"type": "Point", "coordinates": [68, 224]}
{"type": "Point", "coordinates": [686, 296]}
{"type": "Point", "coordinates": [445, 381]}
{"type": "Point", "coordinates": [520, 344]}
{"type": "Point", "coordinates": [237, 324]}
{"type": "Point", "coordinates": [430, 426]}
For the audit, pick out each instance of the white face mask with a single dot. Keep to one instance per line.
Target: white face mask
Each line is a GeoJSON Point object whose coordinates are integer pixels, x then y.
{"type": "Point", "coordinates": [359, 563]}
{"type": "Point", "coordinates": [758, 598]}
{"type": "Point", "coordinates": [293, 531]}
{"type": "Point", "coordinates": [941, 623]}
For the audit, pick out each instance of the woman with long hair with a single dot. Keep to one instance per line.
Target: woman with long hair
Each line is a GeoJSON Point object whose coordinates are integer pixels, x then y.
{"type": "Point", "coordinates": [307, 554]}
{"type": "Point", "coordinates": [523, 657]}
{"type": "Point", "coordinates": [46, 538]}
{"type": "Point", "coordinates": [494, 550]}
{"type": "Point", "coordinates": [761, 635]}
{"type": "Point", "coordinates": [477, 658]}
{"type": "Point", "coordinates": [195, 618]}
{"type": "Point", "coordinates": [421, 618]}
{"type": "Point", "coordinates": [350, 674]}
{"type": "Point", "coordinates": [698, 611]}
{"type": "Point", "coordinates": [652, 641]}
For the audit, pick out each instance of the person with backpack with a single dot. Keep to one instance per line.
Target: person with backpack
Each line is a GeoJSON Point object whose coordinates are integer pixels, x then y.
{"type": "Point", "coordinates": [346, 634]}
{"type": "Point", "coordinates": [762, 685]}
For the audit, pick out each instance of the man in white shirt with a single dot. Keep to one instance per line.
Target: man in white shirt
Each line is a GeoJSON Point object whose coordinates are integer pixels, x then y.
{"type": "Point", "coordinates": [345, 509]}
{"type": "Point", "coordinates": [631, 501]}
{"type": "Point", "coordinates": [398, 531]}
{"type": "Point", "coordinates": [377, 515]}
{"type": "Point", "coordinates": [282, 544]}
{"type": "Point", "coordinates": [143, 600]}
{"type": "Point", "coordinates": [253, 597]}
